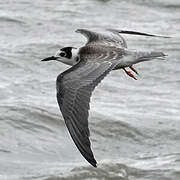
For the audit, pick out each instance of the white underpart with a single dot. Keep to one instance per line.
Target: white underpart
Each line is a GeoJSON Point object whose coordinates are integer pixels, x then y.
{"type": "Point", "coordinates": [75, 56]}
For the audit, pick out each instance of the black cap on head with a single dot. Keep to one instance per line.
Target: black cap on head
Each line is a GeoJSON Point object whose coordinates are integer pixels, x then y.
{"type": "Point", "coordinates": [68, 52]}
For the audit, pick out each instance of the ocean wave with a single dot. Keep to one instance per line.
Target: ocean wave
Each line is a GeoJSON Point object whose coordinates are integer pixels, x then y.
{"type": "Point", "coordinates": [124, 169]}
{"type": "Point", "coordinates": [11, 20]}
{"type": "Point", "coordinates": [31, 119]}
{"type": "Point", "coordinates": [109, 129]}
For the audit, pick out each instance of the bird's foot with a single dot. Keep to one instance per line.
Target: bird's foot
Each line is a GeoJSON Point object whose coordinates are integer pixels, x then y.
{"type": "Point", "coordinates": [129, 73]}
{"type": "Point", "coordinates": [132, 68]}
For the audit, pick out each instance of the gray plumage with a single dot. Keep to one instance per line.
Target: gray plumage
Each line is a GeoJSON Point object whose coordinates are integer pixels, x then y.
{"type": "Point", "coordinates": [74, 89]}
{"type": "Point", "coordinates": [101, 54]}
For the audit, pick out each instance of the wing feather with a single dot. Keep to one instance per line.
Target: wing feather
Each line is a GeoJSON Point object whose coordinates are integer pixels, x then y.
{"type": "Point", "coordinates": [94, 38]}
{"type": "Point", "coordinates": [136, 33]}
{"type": "Point", "coordinates": [74, 89]}
{"type": "Point", "coordinates": [113, 39]}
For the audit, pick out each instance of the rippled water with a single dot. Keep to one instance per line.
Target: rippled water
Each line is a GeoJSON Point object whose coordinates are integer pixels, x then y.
{"type": "Point", "coordinates": [135, 125]}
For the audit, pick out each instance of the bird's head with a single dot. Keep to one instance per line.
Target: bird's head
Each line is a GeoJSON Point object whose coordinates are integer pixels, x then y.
{"type": "Point", "coordinates": [66, 55]}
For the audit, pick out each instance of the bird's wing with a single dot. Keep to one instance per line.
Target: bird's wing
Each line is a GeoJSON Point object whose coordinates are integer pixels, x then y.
{"type": "Point", "coordinates": [111, 39]}
{"type": "Point", "coordinates": [74, 89]}
{"type": "Point", "coordinates": [135, 33]}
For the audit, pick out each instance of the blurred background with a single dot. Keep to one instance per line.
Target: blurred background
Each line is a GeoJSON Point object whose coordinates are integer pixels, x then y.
{"type": "Point", "coordinates": [134, 125]}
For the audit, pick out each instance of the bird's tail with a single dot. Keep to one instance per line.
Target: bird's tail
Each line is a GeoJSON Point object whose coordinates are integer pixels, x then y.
{"type": "Point", "coordinates": [140, 56]}
{"type": "Point", "coordinates": [146, 56]}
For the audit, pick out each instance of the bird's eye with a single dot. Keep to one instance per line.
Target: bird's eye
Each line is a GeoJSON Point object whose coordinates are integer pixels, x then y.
{"type": "Point", "coordinates": [62, 54]}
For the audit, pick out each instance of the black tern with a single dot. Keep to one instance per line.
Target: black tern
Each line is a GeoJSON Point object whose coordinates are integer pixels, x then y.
{"type": "Point", "coordinates": [90, 64]}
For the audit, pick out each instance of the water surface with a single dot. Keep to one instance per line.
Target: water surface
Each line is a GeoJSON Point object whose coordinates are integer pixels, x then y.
{"type": "Point", "coordinates": [134, 124]}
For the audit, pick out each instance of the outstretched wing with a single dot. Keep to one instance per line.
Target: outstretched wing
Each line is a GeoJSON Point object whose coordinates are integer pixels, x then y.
{"type": "Point", "coordinates": [135, 33]}
{"type": "Point", "coordinates": [111, 39]}
{"type": "Point", "coordinates": [74, 89]}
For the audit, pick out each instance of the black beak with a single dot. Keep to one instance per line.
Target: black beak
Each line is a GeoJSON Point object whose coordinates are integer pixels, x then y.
{"type": "Point", "coordinates": [49, 58]}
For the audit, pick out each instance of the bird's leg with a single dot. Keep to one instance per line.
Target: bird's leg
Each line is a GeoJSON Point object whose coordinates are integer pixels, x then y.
{"type": "Point", "coordinates": [132, 68]}
{"type": "Point", "coordinates": [129, 73]}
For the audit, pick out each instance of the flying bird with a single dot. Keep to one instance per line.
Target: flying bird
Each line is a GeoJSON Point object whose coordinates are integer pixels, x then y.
{"type": "Point", "coordinates": [102, 53]}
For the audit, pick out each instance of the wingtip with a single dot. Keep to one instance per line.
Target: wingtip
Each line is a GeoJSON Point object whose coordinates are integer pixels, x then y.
{"type": "Point", "coordinates": [136, 33]}
{"type": "Point", "coordinates": [160, 36]}
{"type": "Point", "coordinates": [94, 163]}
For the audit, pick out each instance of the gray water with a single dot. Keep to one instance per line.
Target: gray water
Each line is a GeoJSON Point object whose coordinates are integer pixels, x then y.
{"type": "Point", "coordinates": [135, 125]}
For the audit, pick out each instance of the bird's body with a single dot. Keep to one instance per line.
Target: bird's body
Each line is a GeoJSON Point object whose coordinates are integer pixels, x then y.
{"type": "Point", "coordinates": [90, 64]}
